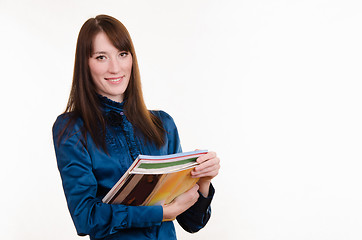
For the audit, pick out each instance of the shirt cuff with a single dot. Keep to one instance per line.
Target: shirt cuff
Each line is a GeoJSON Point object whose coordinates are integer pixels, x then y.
{"type": "Point", "coordinates": [204, 202]}
{"type": "Point", "coordinates": [144, 216]}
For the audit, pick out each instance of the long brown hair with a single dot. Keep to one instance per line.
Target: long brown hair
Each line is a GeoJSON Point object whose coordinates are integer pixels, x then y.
{"type": "Point", "coordinates": [83, 100]}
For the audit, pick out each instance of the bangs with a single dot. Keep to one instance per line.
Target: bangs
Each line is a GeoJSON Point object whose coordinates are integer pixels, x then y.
{"type": "Point", "coordinates": [114, 29]}
{"type": "Point", "coordinates": [119, 36]}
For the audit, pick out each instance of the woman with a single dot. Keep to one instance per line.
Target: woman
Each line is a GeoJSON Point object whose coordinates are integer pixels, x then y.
{"type": "Point", "coordinates": [104, 128]}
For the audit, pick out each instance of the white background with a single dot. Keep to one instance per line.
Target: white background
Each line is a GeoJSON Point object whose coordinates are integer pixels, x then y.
{"type": "Point", "coordinates": [273, 86]}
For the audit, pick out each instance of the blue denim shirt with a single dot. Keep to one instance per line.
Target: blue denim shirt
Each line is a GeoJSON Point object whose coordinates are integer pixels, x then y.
{"type": "Point", "coordinates": [88, 173]}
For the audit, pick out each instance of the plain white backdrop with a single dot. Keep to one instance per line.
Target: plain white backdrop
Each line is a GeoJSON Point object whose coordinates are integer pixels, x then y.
{"type": "Point", "coordinates": [273, 86]}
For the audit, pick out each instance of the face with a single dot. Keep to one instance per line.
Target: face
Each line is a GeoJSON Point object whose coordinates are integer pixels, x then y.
{"type": "Point", "coordinates": [110, 68]}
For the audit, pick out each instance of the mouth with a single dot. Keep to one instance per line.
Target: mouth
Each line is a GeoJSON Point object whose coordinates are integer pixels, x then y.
{"type": "Point", "coordinates": [115, 80]}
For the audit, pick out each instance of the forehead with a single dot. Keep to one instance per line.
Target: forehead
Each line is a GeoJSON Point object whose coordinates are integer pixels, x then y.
{"type": "Point", "coordinates": [101, 43]}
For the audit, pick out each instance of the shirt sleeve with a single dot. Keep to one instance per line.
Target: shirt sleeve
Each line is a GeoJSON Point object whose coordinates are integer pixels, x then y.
{"type": "Point", "coordinates": [197, 216]}
{"type": "Point", "coordinates": [89, 214]}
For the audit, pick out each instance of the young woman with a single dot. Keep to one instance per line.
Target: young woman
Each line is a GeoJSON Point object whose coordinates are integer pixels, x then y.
{"type": "Point", "coordinates": [104, 128]}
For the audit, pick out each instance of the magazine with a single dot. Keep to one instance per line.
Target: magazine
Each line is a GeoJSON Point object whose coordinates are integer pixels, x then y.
{"type": "Point", "coordinates": [155, 180]}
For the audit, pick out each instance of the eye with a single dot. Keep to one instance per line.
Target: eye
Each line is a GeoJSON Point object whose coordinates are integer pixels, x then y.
{"type": "Point", "coordinates": [101, 57]}
{"type": "Point", "coordinates": [123, 54]}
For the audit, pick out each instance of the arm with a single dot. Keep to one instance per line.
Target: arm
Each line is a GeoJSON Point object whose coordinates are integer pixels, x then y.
{"type": "Point", "coordinates": [207, 170]}
{"type": "Point", "coordinates": [197, 215]}
{"type": "Point", "coordinates": [180, 204]}
{"type": "Point", "coordinates": [89, 214]}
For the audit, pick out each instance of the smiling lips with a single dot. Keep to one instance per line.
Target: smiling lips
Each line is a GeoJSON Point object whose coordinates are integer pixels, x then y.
{"type": "Point", "coordinates": [115, 80]}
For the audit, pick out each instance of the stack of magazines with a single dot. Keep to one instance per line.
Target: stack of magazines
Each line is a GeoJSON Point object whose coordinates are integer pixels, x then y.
{"type": "Point", "coordinates": [155, 180]}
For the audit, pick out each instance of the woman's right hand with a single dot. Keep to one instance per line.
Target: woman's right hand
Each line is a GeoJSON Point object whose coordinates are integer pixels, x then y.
{"type": "Point", "coordinates": [180, 204]}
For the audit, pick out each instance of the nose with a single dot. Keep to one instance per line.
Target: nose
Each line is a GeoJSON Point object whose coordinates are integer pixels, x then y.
{"type": "Point", "coordinates": [114, 66]}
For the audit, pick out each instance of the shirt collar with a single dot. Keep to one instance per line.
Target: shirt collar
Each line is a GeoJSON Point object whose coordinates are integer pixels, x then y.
{"type": "Point", "coordinates": [110, 105]}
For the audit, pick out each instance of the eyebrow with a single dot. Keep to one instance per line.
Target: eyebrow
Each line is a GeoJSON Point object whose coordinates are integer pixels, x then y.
{"type": "Point", "coordinates": [101, 52]}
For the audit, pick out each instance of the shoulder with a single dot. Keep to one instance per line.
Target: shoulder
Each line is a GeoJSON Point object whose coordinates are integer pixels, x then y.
{"type": "Point", "coordinates": [65, 118]}
{"type": "Point", "coordinates": [67, 124]}
{"type": "Point", "coordinates": [165, 118]}
{"type": "Point", "coordinates": [168, 123]}
{"type": "Point", "coordinates": [162, 115]}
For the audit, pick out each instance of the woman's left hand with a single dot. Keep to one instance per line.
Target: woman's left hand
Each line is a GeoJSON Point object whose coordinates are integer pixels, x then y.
{"type": "Point", "coordinates": [208, 168]}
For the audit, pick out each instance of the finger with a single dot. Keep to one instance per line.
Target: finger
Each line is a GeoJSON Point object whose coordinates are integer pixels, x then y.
{"type": "Point", "coordinates": [209, 171]}
{"type": "Point", "coordinates": [206, 164]}
{"type": "Point", "coordinates": [195, 188]}
{"type": "Point", "coordinates": [206, 157]}
{"type": "Point", "coordinates": [193, 193]}
{"type": "Point", "coordinates": [210, 174]}
{"type": "Point", "coordinates": [206, 170]}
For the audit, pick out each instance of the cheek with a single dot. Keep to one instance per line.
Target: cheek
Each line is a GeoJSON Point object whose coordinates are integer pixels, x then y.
{"type": "Point", "coordinates": [96, 69]}
{"type": "Point", "coordinates": [129, 65]}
